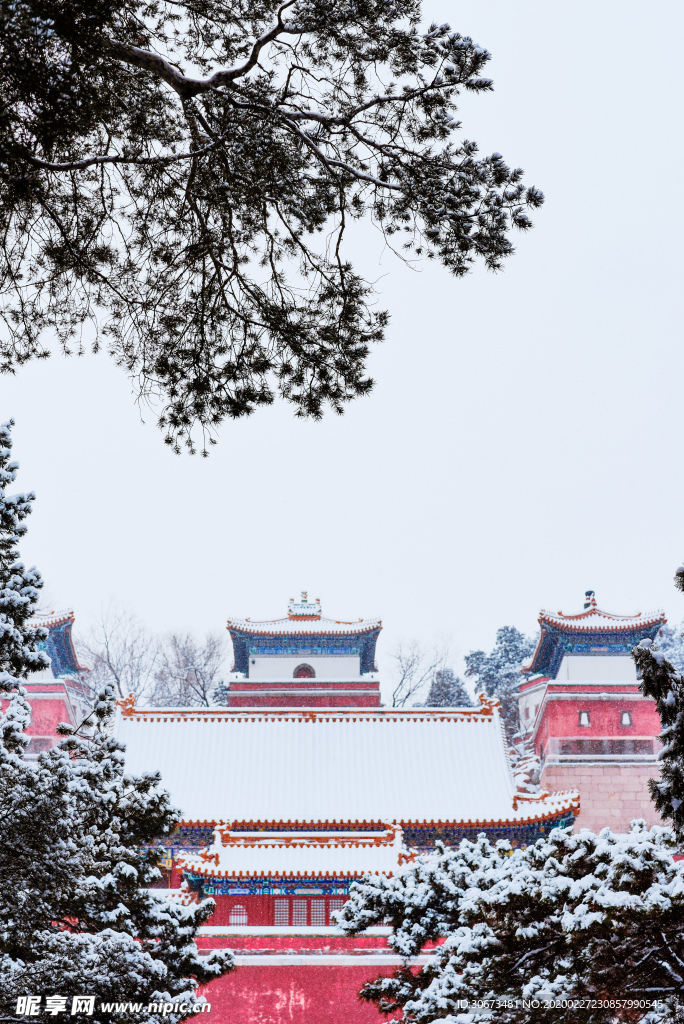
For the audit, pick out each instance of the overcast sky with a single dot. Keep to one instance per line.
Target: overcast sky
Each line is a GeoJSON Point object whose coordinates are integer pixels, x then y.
{"type": "Point", "coordinates": [524, 441]}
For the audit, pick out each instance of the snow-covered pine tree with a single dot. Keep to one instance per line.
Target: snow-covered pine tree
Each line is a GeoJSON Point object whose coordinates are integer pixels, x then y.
{"type": "Point", "coordinates": [221, 695]}
{"type": "Point", "coordinates": [79, 842]}
{"type": "Point", "coordinates": [498, 673]}
{"type": "Point", "coordinates": [575, 916]}
{"type": "Point", "coordinates": [662, 681]}
{"type": "Point", "coordinates": [19, 653]}
{"type": "Point", "coordinates": [288, 123]}
{"type": "Point", "coordinates": [670, 642]}
{"type": "Point", "coordinates": [447, 690]}
{"type": "Point", "coordinates": [78, 852]}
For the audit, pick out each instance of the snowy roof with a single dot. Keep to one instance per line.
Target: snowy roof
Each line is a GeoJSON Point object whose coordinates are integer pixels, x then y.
{"type": "Point", "coordinates": [281, 854]}
{"type": "Point", "coordinates": [49, 620]}
{"type": "Point", "coordinates": [594, 619]}
{"type": "Point", "coordinates": [589, 632]}
{"type": "Point", "coordinates": [338, 766]}
{"type": "Point", "coordinates": [306, 625]}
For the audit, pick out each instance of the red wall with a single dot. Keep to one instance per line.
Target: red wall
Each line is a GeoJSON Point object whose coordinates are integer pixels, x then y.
{"type": "Point", "coordinates": [46, 713]}
{"type": "Point", "coordinates": [308, 700]}
{"type": "Point", "coordinates": [561, 718]}
{"type": "Point", "coordinates": [307, 994]}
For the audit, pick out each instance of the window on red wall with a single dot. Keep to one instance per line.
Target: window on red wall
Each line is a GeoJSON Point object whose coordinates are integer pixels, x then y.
{"type": "Point", "coordinates": [238, 915]}
{"type": "Point", "coordinates": [282, 913]}
{"type": "Point", "coordinates": [318, 912]}
{"type": "Point", "coordinates": [584, 718]}
{"type": "Point", "coordinates": [299, 914]}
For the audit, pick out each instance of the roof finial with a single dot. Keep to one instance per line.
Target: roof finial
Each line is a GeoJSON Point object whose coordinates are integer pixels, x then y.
{"type": "Point", "coordinates": [304, 609]}
{"type": "Point", "coordinates": [589, 599]}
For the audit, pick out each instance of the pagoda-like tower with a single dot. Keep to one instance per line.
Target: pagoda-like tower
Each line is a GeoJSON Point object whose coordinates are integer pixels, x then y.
{"type": "Point", "coordinates": [59, 693]}
{"type": "Point", "coordinates": [581, 707]}
{"type": "Point", "coordinates": [304, 660]}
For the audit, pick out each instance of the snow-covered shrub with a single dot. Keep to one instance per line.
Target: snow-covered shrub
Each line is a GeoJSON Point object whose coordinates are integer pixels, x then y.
{"type": "Point", "coordinates": [78, 852]}
{"type": "Point", "coordinates": [573, 917]}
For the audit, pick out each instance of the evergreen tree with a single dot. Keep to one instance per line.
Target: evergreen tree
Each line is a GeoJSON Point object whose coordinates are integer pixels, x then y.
{"type": "Point", "coordinates": [662, 681]}
{"type": "Point", "coordinates": [498, 673]}
{"type": "Point", "coordinates": [221, 695]}
{"type": "Point", "coordinates": [188, 170]}
{"type": "Point", "coordinates": [447, 691]}
{"type": "Point", "coordinates": [670, 642]}
{"type": "Point", "coordinates": [19, 587]}
{"type": "Point", "coordinates": [576, 916]}
{"type": "Point", "coordinates": [78, 842]}
{"type": "Point", "coordinates": [78, 852]}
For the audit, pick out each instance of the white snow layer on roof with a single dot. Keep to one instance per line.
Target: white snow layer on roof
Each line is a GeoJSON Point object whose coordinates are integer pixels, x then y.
{"type": "Point", "coordinates": [289, 853]}
{"type": "Point", "coordinates": [290, 627]}
{"type": "Point", "coordinates": [596, 619]}
{"type": "Point", "coordinates": [331, 767]}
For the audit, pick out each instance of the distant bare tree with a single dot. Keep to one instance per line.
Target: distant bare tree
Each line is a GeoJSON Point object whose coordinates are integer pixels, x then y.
{"type": "Point", "coordinates": [415, 668]}
{"type": "Point", "coordinates": [189, 671]}
{"type": "Point", "coordinates": [120, 650]}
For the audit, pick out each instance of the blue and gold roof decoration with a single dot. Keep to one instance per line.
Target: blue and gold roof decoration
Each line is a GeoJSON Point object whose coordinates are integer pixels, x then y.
{"type": "Point", "coordinates": [59, 645]}
{"type": "Point", "coordinates": [590, 632]}
{"type": "Point", "coordinates": [304, 633]}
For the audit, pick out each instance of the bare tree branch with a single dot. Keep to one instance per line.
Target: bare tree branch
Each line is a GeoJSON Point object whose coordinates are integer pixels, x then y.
{"type": "Point", "coordinates": [189, 671]}
{"type": "Point", "coordinates": [119, 650]}
{"type": "Point", "coordinates": [415, 668]}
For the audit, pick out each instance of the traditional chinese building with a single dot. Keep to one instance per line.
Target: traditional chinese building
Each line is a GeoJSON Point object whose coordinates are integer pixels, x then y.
{"type": "Point", "coordinates": [581, 706]}
{"type": "Point", "coordinates": [304, 783]}
{"type": "Point", "coordinates": [59, 693]}
{"type": "Point", "coordinates": [304, 660]}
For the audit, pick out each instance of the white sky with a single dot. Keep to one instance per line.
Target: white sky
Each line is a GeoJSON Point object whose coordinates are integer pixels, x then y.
{"type": "Point", "coordinates": [524, 440]}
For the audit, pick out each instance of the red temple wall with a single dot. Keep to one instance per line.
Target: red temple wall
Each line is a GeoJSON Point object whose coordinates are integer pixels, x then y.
{"type": "Point", "coordinates": [295, 700]}
{"type": "Point", "coordinates": [294, 994]}
{"type": "Point", "coordinates": [561, 718]}
{"type": "Point", "coordinates": [47, 714]}
{"type": "Point", "coordinates": [311, 911]}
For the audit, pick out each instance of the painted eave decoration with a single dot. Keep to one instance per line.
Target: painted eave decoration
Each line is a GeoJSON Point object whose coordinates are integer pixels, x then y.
{"type": "Point", "coordinates": [589, 632]}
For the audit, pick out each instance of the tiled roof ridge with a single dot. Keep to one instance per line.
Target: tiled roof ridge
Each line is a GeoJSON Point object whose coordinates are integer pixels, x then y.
{"type": "Point", "coordinates": [215, 873]}
{"type": "Point", "coordinates": [582, 620]}
{"type": "Point", "coordinates": [47, 619]}
{"type": "Point", "coordinates": [313, 840]}
{"type": "Point", "coordinates": [565, 800]}
{"type": "Point", "coordinates": [485, 712]}
{"type": "Point", "coordinates": [280, 626]}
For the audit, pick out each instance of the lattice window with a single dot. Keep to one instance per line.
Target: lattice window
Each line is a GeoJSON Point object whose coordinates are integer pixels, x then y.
{"type": "Point", "coordinates": [304, 672]}
{"type": "Point", "coordinates": [299, 912]}
{"type": "Point", "coordinates": [238, 914]}
{"type": "Point", "coordinates": [318, 912]}
{"type": "Point", "coordinates": [282, 913]}
{"type": "Point", "coordinates": [335, 904]}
